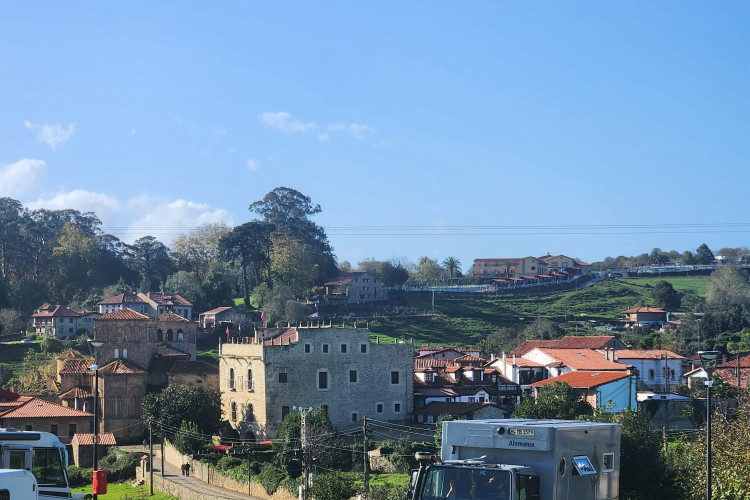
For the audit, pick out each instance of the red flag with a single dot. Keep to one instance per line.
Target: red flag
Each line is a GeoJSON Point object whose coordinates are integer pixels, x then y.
{"type": "Point", "coordinates": [263, 318]}
{"type": "Point", "coordinates": [227, 334]}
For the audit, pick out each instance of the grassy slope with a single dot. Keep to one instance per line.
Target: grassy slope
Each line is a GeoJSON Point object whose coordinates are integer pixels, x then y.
{"type": "Point", "coordinates": [12, 355]}
{"type": "Point", "coordinates": [465, 320]}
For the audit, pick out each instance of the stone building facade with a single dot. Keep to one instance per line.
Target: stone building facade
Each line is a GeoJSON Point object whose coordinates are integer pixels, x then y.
{"type": "Point", "coordinates": [338, 368]}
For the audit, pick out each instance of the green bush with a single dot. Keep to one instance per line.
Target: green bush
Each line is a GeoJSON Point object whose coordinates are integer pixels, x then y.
{"type": "Point", "coordinates": [226, 463]}
{"type": "Point", "coordinates": [385, 492]}
{"type": "Point", "coordinates": [120, 465]}
{"type": "Point", "coordinates": [333, 486]}
{"type": "Point", "coordinates": [78, 476]}
{"type": "Point", "coordinates": [187, 440]}
{"type": "Point", "coordinates": [270, 478]}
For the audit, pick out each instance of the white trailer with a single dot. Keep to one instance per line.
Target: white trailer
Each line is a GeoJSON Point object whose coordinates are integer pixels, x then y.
{"type": "Point", "coordinates": [42, 454]}
{"type": "Point", "coordinates": [518, 459]}
{"type": "Point", "coordinates": [17, 485]}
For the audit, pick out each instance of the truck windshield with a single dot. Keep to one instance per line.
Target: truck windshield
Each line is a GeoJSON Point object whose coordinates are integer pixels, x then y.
{"type": "Point", "coordinates": [466, 483]}
{"type": "Point", "coordinates": [47, 467]}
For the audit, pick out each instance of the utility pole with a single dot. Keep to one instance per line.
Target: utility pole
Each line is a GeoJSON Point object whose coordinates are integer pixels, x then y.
{"type": "Point", "coordinates": [162, 448]}
{"type": "Point", "coordinates": [150, 459]}
{"type": "Point", "coordinates": [366, 455]}
{"type": "Point", "coordinates": [305, 455]}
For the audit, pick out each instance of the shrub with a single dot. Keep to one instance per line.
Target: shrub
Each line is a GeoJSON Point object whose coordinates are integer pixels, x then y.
{"type": "Point", "coordinates": [333, 486]}
{"type": "Point", "coordinates": [78, 476]}
{"type": "Point", "coordinates": [270, 477]}
{"type": "Point", "coordinates": [227, 463]}
{"type": "Point", "coordinates": [187, 440]}
{"type": "Point", "coordinates": [386, 492]}
{"type": "Point", "coordinates": [120, 465]}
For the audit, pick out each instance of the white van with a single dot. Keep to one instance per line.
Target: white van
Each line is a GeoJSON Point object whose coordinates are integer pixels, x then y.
{"type": "Point", "coordinates": [18, 485]}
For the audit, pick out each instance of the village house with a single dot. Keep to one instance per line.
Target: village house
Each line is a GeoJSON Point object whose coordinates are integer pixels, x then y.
{"type": "Point", "coordinates": [655, 369]}
{"type": "Point", "coordinates": [30, 413]}
{"type": "Point", "coordinates": [209, 320]}
{"type": "Point", "coordinates": [557, 262]}
{"type": "Point", "coordinates": [455, 382]}
{"type": "Point", "coordinates": [644, 316]}
{"type": "Point", "coordinates": [613, 391]}
{"type": "Point", "coordinates": [355, 288]}
{"type": "Point", "coordinates": [62, 322]}
{"type": "Point", "coordinates": [561, 361]}
{"type": "Point", "coordinates": [150, 303]}
{"type": "Point", "coordinates": [83, 447]}
{"type": "Point", "coordinates": [268, 375]}
{"type": "Point", "coordinates": [509, 267]}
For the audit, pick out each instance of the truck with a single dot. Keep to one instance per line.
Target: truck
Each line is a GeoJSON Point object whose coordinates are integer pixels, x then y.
{"type": "Point", "coordinates": [17, 485]}
{"type": "Point", "coordinates": [521, 459]}
{"type": "Point", "coordinates": [43, 455]}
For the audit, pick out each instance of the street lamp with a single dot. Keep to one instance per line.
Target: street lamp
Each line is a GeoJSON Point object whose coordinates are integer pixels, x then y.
{"type": "Point", "coordinates": [93, 344]}
{"type": "Point", "coordinates": [709, 360]}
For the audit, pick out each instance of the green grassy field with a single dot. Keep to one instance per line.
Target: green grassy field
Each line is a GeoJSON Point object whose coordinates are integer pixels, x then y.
{"type": "Point", "coordinates": [694, 284]}
{"type": "Point", "coordinates": [12, 354]}
{"type": "Point", "coordinates": [122, 491]}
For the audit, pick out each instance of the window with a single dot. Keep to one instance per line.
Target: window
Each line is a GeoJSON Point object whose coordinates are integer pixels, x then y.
{"type": "Point", "coordinates": [124, 354]}
{"type": "Point", "coordinates": [159, 335]}
{"type": "Point", "coordinates": [363, 348]}
{"type": "Point", "coordinates": [249, 380]}
{"type": "Point", "coordinates": [353, 376]}
{"type": "Point", "coordinates": [343, 348]}
{"type": "Point", "coordinates": [249, 416]}
{"type": "Point", "coordinates": [170, 335]}
{"type": "Point", "coordinates": [355, 417]}
{"type": "Point", "coordinates": [322, 380]}
{"type": "Point", "coordinates": [53, 429]}
{"type": "Point", "coordinates": [71, 430]}
{"type": "Point", "coordinates": [396, 407]}
{"type": "Point", "coordinates": [27, 427]}
{"type": "Point", "coordinates": [47, 466]}
{"type": "Point", "coordinates": [117, 353]}
{"type": "Point", "coordinates": [394, 377]}
{"type": "Point", "coordinates": [651, 374]}
{"type": "Point", "coordinates": [231, 378]}
{"type": "Point", "coordinates": [234, 411]}
{"type": "Point", "coordinates": [282, 377]}
{"type": "Point", "coordinates": [379, 408]}
{"type": "Point", "coordinates": [308, 348]}
{"type": "Point", "coordinates": [284, 412]}
{"type": "Point", "coordinates": [472, 399]}
{"type": "Point", "coordinates": [325, 348]}
{"type": "Point", "coordinates": [180, 336]}
{"type": "Point", "coordinates": [608, 462]}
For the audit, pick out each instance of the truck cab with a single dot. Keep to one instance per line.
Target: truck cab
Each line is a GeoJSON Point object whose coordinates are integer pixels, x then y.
{"type": "Point", "coordinates": [474, 480]}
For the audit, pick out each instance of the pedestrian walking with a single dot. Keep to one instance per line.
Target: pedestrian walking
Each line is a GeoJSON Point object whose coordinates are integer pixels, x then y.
{"type": "Point", "coordinates": [145, 444]}
{"type": "Point", "coordinates": [182, 468]}
{"type": "Point", "coordinates": [187, 470]}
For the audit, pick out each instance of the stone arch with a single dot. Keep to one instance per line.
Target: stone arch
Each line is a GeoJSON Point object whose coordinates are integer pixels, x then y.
{"type": "Point", "coordinates": [170, 335]}
{"type": "Point", "coordinates": [125, 353]}
{"type": "Point", "coordinates": [159, 335]}
{"type": "Point", "coordinates": [180, 336]}
{"type": "Point", "coordinates": [117, 353]}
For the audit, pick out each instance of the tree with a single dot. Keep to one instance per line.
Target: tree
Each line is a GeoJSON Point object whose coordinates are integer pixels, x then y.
{"type": "Point", "coordinates": [345, 266]}
{"type": "Point", "coordinates": [249, 245]}
{"type": "Point", "coordinates": [503, 339]}
{"type": "Point", "coordinates": [188, 285]}
{"type": "Point", "coordinates": [452, 264]}
{"type": "Point", "coordinates": [333, 486]}
{"type": "Point", "coordinates": [728, 285]}
{"type": "Point", "coordinates": [428, 271]}
{"type": "Point", "coordinates": [72, 256]}
{"type": "Point", "coordinates": [666, 296]}
{"type": "Point", "coordinates": [658, 257]}
{"type": "Point", "coordinates": [200, 405]}
{"type": "Point", "coordinates": [290, 212]}
{"type": "Point", "coordinates": [704, 255]}
{"type": "Point", "coordinates": [188, 439]}
{"type": "Point", "coordinates": [439, 428]}
{"type": "Point", "coordinates": [11, 242]}
{"type": "Point", "coordinates": [392, 275]}
{"type": "Point", "coordinates": [199, 250]}
{"type": "Point", "coordinates": [292, 265]}
{"type": "Point", "coordinates": [10, 321]}
{"type": "Point", "coordinates": [542, 329]}
{"type": "Point", "coordinates": [557, 400]}
{"type": "Point", "coordinates": [150, 258]}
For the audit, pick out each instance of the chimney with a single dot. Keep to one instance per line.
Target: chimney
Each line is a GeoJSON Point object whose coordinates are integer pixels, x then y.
{"type": "Point", "coordinates": [514, 360]}
{"type": "Point", "coordinates": [505, 357]}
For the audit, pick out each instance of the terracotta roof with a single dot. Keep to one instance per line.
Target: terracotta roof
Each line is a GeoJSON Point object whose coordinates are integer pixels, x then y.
{"type": "Point", "coordinates": [424, 363]}
{"type": "Point", "coordinates": [434, 392]}
{"type": "Point", "coordinates": [123, 298]}
{"type": "Point", "coordinates": [105, 439]}
{"type": "Point", "coordinates": [170, 316]}
{"type": "Point", "coordinates": [344, 278]}
{"type": "Point", "coordinates": [56, 312]}
{"type": "Point", "coordinates": [120, 367]}
{"type": "Point", "coordinates": [72, 366]}
{"type": "Point", "coordinates": [584, 342]}
{"type": "Point", "coordinates": [644, 309]}
{"type": "Point", "coordinates": [583, 359]}
{"type": "Point", "coordinates": [528, 345]}
{"type": "Point", "coordinates": [39, 408]}
{"type": "Point", "coordinates": [449, 408]}
{"type": "Point", "coordinates": [168, 299]}
{"type": "Point", "coordinates": [523, 362]}
{"type": "Point", "coordinates": [744, 363]}
{"type": "Point", "coordinates": [194, 368]}
{"type": "Point", "coordinates": [75, 392]}
{"type": "Point", "coordinates": [168, 351]}
{"type": "Point", "coordinates": [469, 359]}
{"type": "Point", "coordinates": [729, 376]}
{"type": "Point", "coordinates": [216, 310]}
{"type": "Point", "coordinates": [125, 313]}
{"type": "Point", "coordinates": [584, 379]}
{"type": "Point", "coordinates": [284, 337]}
{"type": "Point", "coordinates": [645, 354]}
{"type": "Point", "coordinates": [69, 354]}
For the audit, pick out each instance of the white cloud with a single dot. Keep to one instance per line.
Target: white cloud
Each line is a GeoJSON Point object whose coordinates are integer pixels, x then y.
{"type": "Point", "coordinates": [284, 122]}
{"type": "Point", "coordinates": [52, 135]}
{"type": "Point", "coordinates": [323, 136]}
{"type": "Point", "coordinates": [20, 178]}
{"type": "Point", "coordinates": [357, 130]}
{"type": "Point", "coordinates": [106, 207]}
{"type": "Point", "coordinates": [165, 219]}
{"type": "Point", "coordinates": [252, 165]}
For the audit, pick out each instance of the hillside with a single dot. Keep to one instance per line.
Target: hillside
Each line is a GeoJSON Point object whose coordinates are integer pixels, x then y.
{"type": "Point", "coordinates": [465, 319]}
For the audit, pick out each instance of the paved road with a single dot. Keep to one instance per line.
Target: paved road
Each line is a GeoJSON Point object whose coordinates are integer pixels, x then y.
{"type": "Point", "coordinates": [173, 474]}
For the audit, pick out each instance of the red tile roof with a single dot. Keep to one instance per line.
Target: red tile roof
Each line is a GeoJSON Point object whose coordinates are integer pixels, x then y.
{"type": "Point", "coordinates": [75, 392]}
{"type": "Point", "coordinates": [125, 313]}
{"type": "Point", "coordinates": [39, 408]}
{"type": "Point", "coordinates": [168, 352]}
{"type": "Point", "coordinates": [123, 298]}
{"type": "Point", "coordinates": [344, 278]}
{"type": "Point", "coordinates": [56, 312]}
{"type": "Point", "coordinates": [584, 342]}
{"type": "Point", "coordinates": [519, 361]}
{"type": "Point", "coordinates": [168, 299]}
{"type": "Point", "coordinates": [74, 366]}
{"type": "Point", "coordinates": [120, 367]}
{"type": "Point", "coordinates": [169, 316]}
{"type": "Point", "coordinates": [583, 359]}
{"type": "Point", "coordinates": [645, 354]}
{"type": "Point", "coordinates": [744, 363]}
{"type": "Point", "coordinates": [216, 310]}
{"type": "Point", "coordinates": [284, 337]}
{"type": "Point", "coordinates": [584, 379]}
{"type": "Point", "coordinates": [528, 345]}
{"type": "Point", "coordinates": [421, 364]}
{"type": "Point", "coordinates": [644, 309]}
{"type": "Point", "coordinates": [105, 439]}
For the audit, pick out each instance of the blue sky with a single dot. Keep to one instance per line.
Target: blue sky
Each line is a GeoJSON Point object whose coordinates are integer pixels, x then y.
{"type": "Point", "coordinates": [466, 129]}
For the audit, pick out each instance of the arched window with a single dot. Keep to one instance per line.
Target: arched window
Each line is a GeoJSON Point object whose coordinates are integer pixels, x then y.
{"type": "Point", "coordinates": [249, 417]}
{"type": "Point", "coordinates": [117, 353]}
{"type": "Point", "coordinates": [124, 354]}
{"type": "Point", "coordinates": [249, 380]}
{"type": "Point", "coordinates": [231, 378]}
{"type": "Point", "coordinates": [159, 335]}
{"type": "Point", "coordinates": [234, 411]}
{"type": "Point", "coordinates": [170, 335]}
{"type": "Point", "coordinates": [180, 336]}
